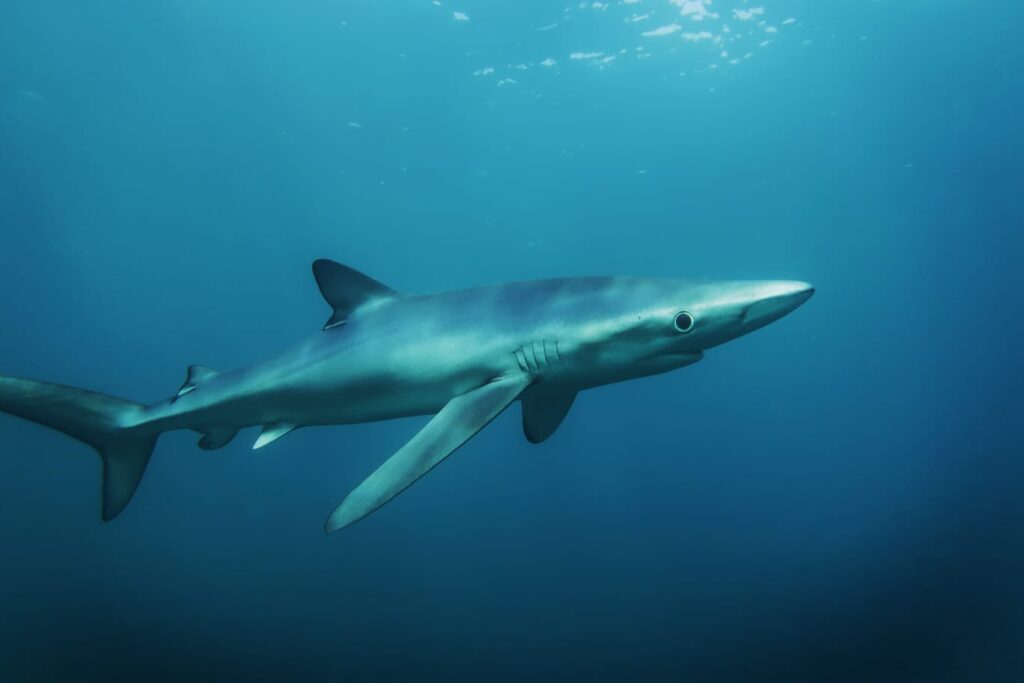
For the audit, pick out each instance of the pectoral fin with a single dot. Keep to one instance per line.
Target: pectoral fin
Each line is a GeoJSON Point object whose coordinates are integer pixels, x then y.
{"type": "Point", "coordinates": [544, 408]}
{"type": "Point", "coordinates": [457, 422]}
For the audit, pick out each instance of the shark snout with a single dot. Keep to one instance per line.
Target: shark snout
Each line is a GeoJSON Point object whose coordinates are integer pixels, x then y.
{"type": "Point", "coordinates": [773, 300]}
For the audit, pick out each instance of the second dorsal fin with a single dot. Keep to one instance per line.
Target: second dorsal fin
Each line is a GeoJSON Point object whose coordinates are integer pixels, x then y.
{"type": "Point", "coordinates": [197, 374]}
{"type": "Point", "coordinates": [346, 289]}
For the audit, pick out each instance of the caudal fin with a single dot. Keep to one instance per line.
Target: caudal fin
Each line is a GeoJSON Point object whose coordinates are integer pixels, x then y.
{"type": "Point", "coordinates": [103, 422]}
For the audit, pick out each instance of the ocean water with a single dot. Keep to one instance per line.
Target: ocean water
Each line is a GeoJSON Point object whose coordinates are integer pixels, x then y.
{"type": "Point", "coordinates": [837, 497]}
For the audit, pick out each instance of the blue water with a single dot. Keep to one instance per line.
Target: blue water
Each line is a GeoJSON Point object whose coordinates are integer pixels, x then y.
{"type": "Point", "coordinates": [835, 497]}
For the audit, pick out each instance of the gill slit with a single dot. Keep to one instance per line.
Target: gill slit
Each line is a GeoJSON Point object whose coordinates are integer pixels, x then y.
{"type": "Point", "coordinates": [521, 359]}
{"type": "Point", "coordinates": [535, 362]}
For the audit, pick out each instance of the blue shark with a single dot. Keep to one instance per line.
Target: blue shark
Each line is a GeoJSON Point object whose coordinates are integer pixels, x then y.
{"type": "Point", "coordinates": [461, 356]}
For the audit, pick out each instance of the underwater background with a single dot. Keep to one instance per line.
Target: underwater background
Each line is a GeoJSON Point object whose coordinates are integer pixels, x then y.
{"type": "Point", "coordinates": [837, 497]}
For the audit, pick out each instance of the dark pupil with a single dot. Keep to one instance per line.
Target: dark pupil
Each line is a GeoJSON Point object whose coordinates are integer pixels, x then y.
{"type": "Point", "coordinates": [684, 321]}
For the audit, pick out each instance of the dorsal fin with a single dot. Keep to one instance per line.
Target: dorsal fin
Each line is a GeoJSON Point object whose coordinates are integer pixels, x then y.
{"type": "Point", "coordinates": [197, 374]}
{"type": "Point", "coordinates": [346, 289]}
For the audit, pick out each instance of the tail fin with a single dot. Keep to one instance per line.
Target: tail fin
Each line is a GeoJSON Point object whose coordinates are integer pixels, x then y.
{"type": "Point", "coordinates": [101, 421]}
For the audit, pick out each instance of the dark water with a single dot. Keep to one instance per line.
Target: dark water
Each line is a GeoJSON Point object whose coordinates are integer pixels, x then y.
{"type": "Point", "coordinates": [836, 497]}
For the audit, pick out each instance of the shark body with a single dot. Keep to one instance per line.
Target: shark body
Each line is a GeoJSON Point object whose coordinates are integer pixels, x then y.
{"type": "Point", "coordinates": [462, 356]}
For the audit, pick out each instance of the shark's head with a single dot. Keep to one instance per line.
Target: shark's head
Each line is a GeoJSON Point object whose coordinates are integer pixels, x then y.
{"type": "Point", "coordinates": [723, 311]}
{"type": "Point", "coordinates": [651, 326]}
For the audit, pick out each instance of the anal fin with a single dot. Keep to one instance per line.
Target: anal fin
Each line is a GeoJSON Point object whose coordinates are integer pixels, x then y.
{"type": "Point", "coordinates": [217, 438]}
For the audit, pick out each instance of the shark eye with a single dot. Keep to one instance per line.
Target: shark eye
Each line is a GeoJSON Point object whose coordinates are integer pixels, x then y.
{"type": "Point", "coordinates": [684, 322]}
